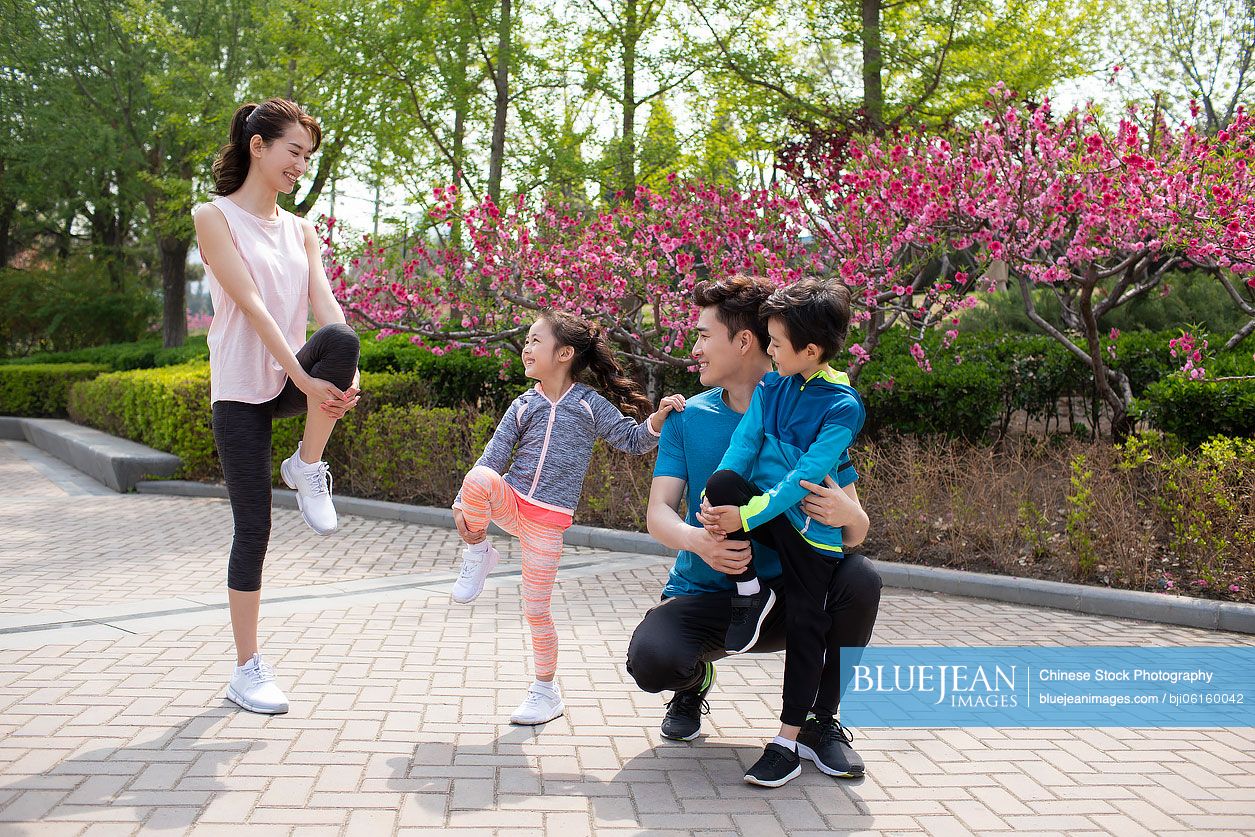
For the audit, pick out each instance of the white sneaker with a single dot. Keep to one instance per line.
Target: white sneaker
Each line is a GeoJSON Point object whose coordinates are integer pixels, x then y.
{"type": "Point", "coordinates": [476, 565]}
{"type": "Point", "coordinates": [540, 706]}
{"type": "Point", "coordinates": [312, 484]}
{"type": "Point", "coordinates": [253, 688]}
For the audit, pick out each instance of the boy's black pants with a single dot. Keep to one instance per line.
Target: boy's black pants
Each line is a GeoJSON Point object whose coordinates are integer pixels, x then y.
{"type": "Point", "coordinates": [807, 579]}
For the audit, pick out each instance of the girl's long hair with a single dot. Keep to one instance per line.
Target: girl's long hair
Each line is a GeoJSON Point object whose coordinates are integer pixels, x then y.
{"type": "Point", "coordinates": [268, 120]}
{"type": "Point", "coordinates": [594, 353]}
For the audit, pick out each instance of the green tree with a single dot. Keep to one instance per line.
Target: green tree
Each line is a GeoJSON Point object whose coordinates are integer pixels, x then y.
{"type": "Point", "coordinates": [660, 152]}
{"type": "Point", "coordinates": [165, 76]}
{"type": "Point", "coordinates": [67, 174]}
{"type": "Point", "coordinates": [1177, 50]}
{"type": "Point", "coordinates": [623, 44]}
{"type": "Point", "coordinates": [916, 60]}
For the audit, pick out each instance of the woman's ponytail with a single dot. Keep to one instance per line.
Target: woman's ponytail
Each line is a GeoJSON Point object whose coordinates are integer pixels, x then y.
{"type": "Point", "coordinates": [231, 164]}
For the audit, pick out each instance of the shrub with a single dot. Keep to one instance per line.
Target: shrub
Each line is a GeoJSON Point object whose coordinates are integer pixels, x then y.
{"type": "Point", "coordinates": [1148, 515]}
{"type": "Point", "coordinates": [1205, 500]}
{"type": "Point", "coordinates": [118, 357]}
{"type": "Point", "coordinates": [41, 389]}
{"type": "Point", "coordinates": [68, 307]}
{"type": "Point", "coordinates": [409, 454]}
{"type": "Point", "coordinates": [1197, 410]}
{"type": "Point", "coordinates": [453, 379]}
{"type": "Point", "coordinates": [167, 409]}
{"type": "Point", "coordinates": [953, 400]}
{"type": "Point", "coordinates": [388, 448]}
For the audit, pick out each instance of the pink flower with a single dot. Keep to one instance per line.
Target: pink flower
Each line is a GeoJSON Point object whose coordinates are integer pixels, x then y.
{"type": "Point", "coordinates": [921, 360]}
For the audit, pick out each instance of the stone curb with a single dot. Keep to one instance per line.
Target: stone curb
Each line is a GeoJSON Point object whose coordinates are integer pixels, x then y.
{"type": "Point", "coordinates": [1080, 598]}
{"type": "Point", "coordinates": [593, 537]}
{"type": "Point", "coordinates": [118, 463]}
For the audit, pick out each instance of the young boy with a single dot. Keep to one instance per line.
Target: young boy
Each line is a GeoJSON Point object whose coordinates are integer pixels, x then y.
{"type": "Point", "coordinates": [800, 423]}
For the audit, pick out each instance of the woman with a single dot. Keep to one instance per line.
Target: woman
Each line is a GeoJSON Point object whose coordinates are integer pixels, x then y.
{"type": "Point", "coordinates": [265, 274]}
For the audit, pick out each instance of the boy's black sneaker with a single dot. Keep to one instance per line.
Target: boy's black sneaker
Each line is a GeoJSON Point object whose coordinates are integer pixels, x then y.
{"type": "Point", "coordinates": [776, 766]}
{"type": "Point", "coordinates": [827, 743]}
{"type": "Point", "coordinates": [685, 709]}
{"type": "Point", "coordinates": [748, 615]}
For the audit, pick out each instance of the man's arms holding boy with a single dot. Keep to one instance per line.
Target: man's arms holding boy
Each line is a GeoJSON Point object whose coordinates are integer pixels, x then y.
{"type": "Point", "coordinates": [827, 503]}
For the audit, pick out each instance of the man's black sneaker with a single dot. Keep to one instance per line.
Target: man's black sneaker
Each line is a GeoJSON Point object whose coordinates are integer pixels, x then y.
{"type": "Point", "coordinates": [684, 711]}
{"type": "Point", "coordinates": [748, 615]}
{"type": "Point", "coordinates": [776, 766]}
{"type": "Point", "coordinates": [827, 743]}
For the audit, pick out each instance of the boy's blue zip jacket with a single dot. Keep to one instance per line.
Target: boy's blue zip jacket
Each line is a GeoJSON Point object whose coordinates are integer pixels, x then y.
{"type": "Point", "coordinates": [795, 430]}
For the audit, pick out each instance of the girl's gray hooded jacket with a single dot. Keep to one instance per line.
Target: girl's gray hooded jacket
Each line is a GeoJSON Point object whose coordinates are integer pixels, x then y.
{"type": "Point", "coordinates": [552, 443]}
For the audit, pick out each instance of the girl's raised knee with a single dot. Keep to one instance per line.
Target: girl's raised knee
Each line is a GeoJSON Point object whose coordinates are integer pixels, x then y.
{"type": "Point", "coordinates": [480, 480]}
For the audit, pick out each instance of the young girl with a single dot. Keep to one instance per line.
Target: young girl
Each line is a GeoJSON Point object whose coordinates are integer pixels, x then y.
{"type": "Point", "coordinates": [549, 430]}
{"type": "Point", "coordinates": [265, 273]}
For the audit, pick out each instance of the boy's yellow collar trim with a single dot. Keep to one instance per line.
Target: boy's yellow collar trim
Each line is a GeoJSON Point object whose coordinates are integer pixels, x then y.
{"type": "Point", "coordinates": [831, 375]}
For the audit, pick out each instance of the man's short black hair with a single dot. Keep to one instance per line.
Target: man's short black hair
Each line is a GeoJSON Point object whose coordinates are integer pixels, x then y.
{"type": "Point", "coordinates": [812, 311]}
{"type": "Point", "coordinates": [737, 300]}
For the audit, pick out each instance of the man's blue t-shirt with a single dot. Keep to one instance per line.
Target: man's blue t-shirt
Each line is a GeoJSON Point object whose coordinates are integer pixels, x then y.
{"type": "Point", "coordinates": [691, 447]}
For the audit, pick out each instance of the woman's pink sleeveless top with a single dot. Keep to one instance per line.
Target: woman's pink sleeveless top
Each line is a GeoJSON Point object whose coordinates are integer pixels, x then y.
{"type": "Point", "coordinates": [241, 368]}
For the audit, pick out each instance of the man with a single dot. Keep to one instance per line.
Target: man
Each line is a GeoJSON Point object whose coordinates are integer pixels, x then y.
{"type": "Point", "coordinates": [676, 644]}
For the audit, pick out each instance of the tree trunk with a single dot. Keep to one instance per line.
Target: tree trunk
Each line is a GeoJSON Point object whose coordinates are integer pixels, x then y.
{"type": "Point", "coordinates": [174, 289]}
{"type": "Point", "coordinates": [459, 137]}
{"type": "Point", "coordinates": [873, 63]}
{"type": "Point", "coordinates": [108, 233]}
{"type": "Point", "coordinates": [461, 108]}
{"type": "Point", "coordinates": [1121, 422]}
{"type": "Point", "coordinates": [627, 149]}
{"type": "Point", "coordinates": [8, 210]}
{"type": "Point", "coordinates": [501, 105]}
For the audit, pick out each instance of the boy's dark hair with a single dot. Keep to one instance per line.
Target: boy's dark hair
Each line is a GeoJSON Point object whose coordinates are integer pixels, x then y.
{"type": "Point", "coordinates": [813, 311]}
{"type": "Point", "coordinates": [737, 300]}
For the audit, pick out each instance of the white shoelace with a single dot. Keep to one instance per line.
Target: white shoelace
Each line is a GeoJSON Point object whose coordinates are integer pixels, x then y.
{"type": "Point", "coordinates": [263, 672]}
{"type": "Point", "coordinates": [320, 479]}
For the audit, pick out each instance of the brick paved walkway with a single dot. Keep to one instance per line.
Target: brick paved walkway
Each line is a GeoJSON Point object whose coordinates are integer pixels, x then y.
{"type": "Point", "coordinates": [114, 649]}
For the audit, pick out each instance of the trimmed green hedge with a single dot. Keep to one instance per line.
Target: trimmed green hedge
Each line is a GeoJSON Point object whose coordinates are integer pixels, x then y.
{"type": "Point", "coordinates": [981, 380]}
{"type": "Point", "coordinates": [961, 400]}
{"type": "Point", "coordinates": [452, 379]}
{"type": "Point", "coordinates": [167, 409]}
{"type": "Point", "coordinates": [116, 357]}
{"type": "Point", "coordinates": [388, 448]}
{"type": "Point", "coordinates": [1194, 411]}
{"type": "Point", "coordinates": [41, 389]}
{"type": "Point", "coordinates": [977, 383]}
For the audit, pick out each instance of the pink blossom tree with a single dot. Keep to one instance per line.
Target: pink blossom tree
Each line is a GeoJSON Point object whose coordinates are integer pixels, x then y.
{"type": "Point", "coordinates": [1098, 216]}
{"type": "Point", "coordinates": [915, 222]}
{"type": "Point", "coordinates": [631, 267]}
{"type": "Point", "coordinates": [898, 219]}
{"type": "Point", "coordinates": [1102, 216]}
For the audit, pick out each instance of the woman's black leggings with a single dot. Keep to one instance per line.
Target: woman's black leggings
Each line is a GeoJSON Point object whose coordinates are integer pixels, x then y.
{"type": "Point", "coordinates": [242, 434]}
